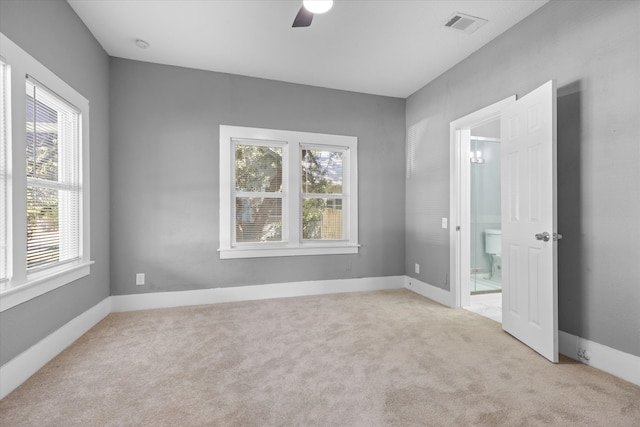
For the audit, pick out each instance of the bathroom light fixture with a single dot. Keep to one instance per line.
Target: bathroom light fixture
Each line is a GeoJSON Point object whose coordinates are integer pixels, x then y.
{"type": "Point", "coordinates": [476, 155]}
{"type": "Point", "coordinates": [317, 6]}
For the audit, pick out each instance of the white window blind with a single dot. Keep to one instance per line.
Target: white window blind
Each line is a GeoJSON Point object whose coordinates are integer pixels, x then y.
{"type": "Point", "coordinates": [4, 143]}
{"type": "Point", "coordinates": [53, 179]}
{"type": "Point", "coordinates": [258, 192]}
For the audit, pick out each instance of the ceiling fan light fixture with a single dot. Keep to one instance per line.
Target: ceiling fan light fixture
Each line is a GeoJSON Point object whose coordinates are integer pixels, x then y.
{"type": "Point", "coordinates": [317, 6]}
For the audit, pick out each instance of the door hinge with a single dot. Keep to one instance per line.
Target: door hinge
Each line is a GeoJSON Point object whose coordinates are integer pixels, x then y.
{"type": "Point", "coordinates": [457, 228]}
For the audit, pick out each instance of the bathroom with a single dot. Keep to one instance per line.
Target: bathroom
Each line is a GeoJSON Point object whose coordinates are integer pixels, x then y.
{"type": "Point", "coordinates": [485, 215]}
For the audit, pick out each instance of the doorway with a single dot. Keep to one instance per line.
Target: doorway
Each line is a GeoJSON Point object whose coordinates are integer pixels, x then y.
{"type": "Point", "coordinates": [485, 210]}
{"type": "Point", "coordinates": [528, 214]}
{"type": "Point", "coordinates": [476, 209]}
{"type": "Point", "coordinates": [485, 224]}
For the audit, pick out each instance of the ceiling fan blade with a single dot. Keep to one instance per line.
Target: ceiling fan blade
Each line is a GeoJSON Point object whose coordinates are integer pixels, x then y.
{"type": "Point", "coordinates": [303, 18]}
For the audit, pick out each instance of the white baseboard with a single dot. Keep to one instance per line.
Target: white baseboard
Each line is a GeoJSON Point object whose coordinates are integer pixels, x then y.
{"type": "Point", "coordinates": [434, 293]}
{"type": "Point", "coordinates": [622, 365]}
{"type": "Point", "coordinates": [20, 368]}
{"type": "Point", "coordinates": [255, 292]}
{"type": "Point", "coordinates": [615, 362]}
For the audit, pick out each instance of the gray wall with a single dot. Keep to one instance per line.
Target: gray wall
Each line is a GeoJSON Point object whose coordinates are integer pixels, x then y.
{"type": "Point", "coordinates": [592, 50]}
{"type": "Point", "coordinates": [164, 150]}
{"type": "Point", "coordinates": [164, 170]}
{"type": "Point", "coordinates": [52, 33]}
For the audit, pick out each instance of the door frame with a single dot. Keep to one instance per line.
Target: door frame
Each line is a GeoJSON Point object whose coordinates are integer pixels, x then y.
{"type": "Point", "coordinates": [459, 197]}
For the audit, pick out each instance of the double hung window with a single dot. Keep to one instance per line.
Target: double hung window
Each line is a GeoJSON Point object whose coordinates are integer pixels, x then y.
{"type": "Point", "coordinates": [44, 186]}
{"type": "Point", "coordinates": [53, 179]}
{"type": "Point", "coordinates": [287, 193]}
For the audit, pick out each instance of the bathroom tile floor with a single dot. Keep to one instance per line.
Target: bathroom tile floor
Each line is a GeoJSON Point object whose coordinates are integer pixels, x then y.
{"type": "Point", "coordinates": [480, 284]}
{"type": "Point", "coordinates": [487, 305]}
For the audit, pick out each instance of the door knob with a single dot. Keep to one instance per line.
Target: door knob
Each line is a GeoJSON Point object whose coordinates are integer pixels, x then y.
{"type": "Point", "coordinates": [543, 236]}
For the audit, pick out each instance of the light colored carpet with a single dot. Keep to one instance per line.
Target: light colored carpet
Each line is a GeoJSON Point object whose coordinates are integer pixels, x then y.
{"type": "Point", "coordinates": [389, 358]}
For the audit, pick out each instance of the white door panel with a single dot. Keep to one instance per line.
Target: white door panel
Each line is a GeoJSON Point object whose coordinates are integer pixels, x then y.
{"type": "Point", "coordinates": [528, 130]}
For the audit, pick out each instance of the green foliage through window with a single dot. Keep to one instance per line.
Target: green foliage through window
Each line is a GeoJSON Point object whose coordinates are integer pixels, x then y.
{"type": "Point", "coordinates": [322, 174]}
{"type": "Point", "coordinates": [258, 169]}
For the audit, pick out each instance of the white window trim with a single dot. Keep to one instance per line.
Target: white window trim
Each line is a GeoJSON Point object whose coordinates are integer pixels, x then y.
{"type": "Point", "coordinates": [22, 286]}
{"type": "Point", "coordinates": [5, 190]}
{"type": "Point", "coordinates": [294, 244]}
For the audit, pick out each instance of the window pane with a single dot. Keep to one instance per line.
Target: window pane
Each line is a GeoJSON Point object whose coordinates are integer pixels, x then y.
{"type": "Point", "coordinates": [42, 140]}
{"type": "Point", "coordinates": [258, 219]}
{"type": "Point", "coordinates": [53, 179]}
{"type": "Point", "coordinates": [52, 136]}
{"type": "Point", "coordinates": [258, 168]}
{"type": "Point", "coordinates": [322, 219]}
{"type": "Point", "coordinates": [53, 226]}
{"type": "Point", "coordinates": [322, 171]}
{"type": "Point", "coordinates": [43, 231]}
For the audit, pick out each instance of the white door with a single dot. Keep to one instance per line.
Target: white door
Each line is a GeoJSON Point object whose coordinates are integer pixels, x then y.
{"type": "Point", "coordinates": [529, 220]}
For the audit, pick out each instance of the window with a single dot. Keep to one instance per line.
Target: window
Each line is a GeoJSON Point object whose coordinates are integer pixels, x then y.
{"type": "Point", "coordinates": [44, 160]}
{"type": "Point", "coordinates": [322, 193]}
{"type": "Point", "coordinates": [286, 193]}
{"type": "Point", "coordinates": [258, 192]}
{"type": "Point", "coordinates": [53, 179]}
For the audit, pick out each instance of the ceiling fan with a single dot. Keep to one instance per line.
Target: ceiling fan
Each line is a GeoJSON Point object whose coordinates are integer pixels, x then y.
{"type": "Point", "coordinates": [308, 9]}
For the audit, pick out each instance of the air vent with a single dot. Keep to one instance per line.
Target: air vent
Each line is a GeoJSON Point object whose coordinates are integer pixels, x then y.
{"type": "Point", "coordinates": [466, 23]}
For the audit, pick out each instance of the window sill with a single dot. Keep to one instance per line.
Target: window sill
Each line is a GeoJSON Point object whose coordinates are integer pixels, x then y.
{"type": "Point", "coordinates": [41, 283]}
{"type": "Point", "coordinates": [235, 253]}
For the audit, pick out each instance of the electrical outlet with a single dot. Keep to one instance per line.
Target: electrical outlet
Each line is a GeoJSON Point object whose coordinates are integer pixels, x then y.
{"type": "Point", "coordinates": [417, 268]}
{"type": "Point", "coordinates": [583, 354]}
{"type": "Point", "coordinates": [139, 279]}
{"type": "Point", "coordinates": [349, 265]}
{"type": "Point", "coordinates": [445, 222]}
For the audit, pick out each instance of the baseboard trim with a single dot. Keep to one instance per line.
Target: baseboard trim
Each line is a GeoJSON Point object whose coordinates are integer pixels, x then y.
{"type": "Point", "coordinates": [434, 293]}
{"type": "Point", "coordinates": [615, 362]}
{"type": "Point", "coordinates": [254, 292]}
{"type": "Point", "coordinates": [20, 368]}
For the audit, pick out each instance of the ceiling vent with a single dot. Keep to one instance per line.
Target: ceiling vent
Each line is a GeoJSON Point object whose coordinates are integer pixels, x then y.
{"type": "Point", "coordinates": [466, 23]}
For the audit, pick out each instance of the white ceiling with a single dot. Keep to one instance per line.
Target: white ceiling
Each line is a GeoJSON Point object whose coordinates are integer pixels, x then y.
{"type": "Point", "coordinates": [391, 47]}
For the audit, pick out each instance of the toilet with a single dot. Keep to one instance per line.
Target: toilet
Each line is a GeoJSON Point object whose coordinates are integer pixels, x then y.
{"type": "Point", "coordinates": [493, 248]}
